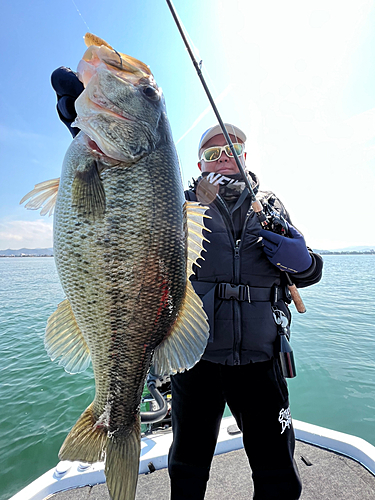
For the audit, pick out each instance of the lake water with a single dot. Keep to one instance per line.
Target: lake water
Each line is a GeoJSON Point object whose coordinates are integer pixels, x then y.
{"type": "Point", "coordinates": [333, 344]}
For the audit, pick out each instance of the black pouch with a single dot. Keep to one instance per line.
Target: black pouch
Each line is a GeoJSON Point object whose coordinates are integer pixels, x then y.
{"type": "Point", "coordinates": [286, 355]}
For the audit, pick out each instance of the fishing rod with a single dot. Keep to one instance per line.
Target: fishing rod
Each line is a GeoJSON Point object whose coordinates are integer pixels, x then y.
{"type": "Point", "coordinates": [256, 205]}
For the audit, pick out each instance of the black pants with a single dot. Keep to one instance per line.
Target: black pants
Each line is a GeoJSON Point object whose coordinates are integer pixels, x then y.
{"type": "Point", "coordinates": [257, 396]}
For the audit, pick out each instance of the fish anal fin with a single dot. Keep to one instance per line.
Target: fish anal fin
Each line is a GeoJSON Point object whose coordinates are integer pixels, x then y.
{"type": "Point", "coordinates": [86, 442]}
{"type": "Point", "coordinates": [186, 342]}
{"type": "Point", "coordinates": [88, 196]}
{"type": "Point", "coordinates": [42, 196]}
{"type": "Point", "coordinates": [64, 338]}
{"type": "Point", "coordinates": [122, 464]}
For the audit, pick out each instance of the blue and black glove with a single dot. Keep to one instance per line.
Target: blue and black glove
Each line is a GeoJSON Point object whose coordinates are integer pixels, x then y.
{"type": "Point", "coordinates": [288, 254]}
{"type": "Point", "coordinates": [67, 87]}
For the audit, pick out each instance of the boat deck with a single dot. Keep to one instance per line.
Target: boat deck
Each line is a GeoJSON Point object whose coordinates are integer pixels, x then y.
{"type": "Point", "coordinates": [325, 475]}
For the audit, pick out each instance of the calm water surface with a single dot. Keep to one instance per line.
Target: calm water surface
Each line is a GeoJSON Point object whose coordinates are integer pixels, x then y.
{"type": "Point", "coordinates": [333, 344]}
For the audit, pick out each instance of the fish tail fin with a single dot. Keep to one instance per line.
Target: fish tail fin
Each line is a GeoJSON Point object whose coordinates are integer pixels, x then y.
{"type": "Point", "coordinates": [86, 441]}
{"type": "Point", "coordinates": [122, 464]}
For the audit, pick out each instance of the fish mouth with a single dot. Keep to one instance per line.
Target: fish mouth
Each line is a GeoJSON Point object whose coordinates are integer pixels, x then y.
{"type": "Point", "coordinates": [101, 56]}
{"type": "Point", "coordinates": [123, 66]}
{"type": "Point", "coordinates": [96, 150]}
{"type": "Point", "coordinates": [106, 159]}
{"type": "Point", "coordinates": [102, 118]}
{"type": "Point", "coordinates": [114, 58]}
{"type": "Point", "coordinates": [93, 146]}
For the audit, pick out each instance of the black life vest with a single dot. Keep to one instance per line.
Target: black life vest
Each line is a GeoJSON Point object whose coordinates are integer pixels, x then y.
{"type": "Point", "coordinates": [238, 286]}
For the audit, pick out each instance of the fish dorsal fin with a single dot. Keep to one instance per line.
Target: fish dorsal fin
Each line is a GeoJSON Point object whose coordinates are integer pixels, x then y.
{"type": "Point", "coordinates": [42, 196]}
{"type": "Point", "coordinates": [186, 342]}
{"type": "Point", "coordinates": [64, 338]}
{"type": "Point", "coordinates": [195, 214]}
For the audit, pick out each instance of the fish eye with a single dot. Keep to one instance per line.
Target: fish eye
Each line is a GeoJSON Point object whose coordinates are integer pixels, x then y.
{"type": "Point", "coordinates": [151, 93]}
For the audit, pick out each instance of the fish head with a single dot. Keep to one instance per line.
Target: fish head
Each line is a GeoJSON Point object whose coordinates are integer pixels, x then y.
{"type": "Point", "coordinates": [122, 109]}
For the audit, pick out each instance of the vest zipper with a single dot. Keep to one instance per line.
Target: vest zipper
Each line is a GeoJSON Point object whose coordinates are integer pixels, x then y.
{"type": "Point", "coordinates": [237, 275]}
{"type": "Point", "coordinates": [236, 305]}
{"type": "Point", "coordinates": [236, 271]}
{"type": "Point", "coordinates": [237, 308]}
{"type": "Point", "coordinates": [223, 209]}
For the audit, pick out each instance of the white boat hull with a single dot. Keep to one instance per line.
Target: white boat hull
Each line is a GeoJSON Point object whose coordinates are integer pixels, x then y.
{"type": "Point", "coordinates": [154, 450]}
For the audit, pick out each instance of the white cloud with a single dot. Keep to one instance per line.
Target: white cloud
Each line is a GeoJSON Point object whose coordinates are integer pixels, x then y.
{"type": "Point", "coordinates": [25, 234]}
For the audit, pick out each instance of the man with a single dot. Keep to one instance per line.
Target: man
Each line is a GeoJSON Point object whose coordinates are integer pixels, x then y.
{"type": "Point", "coordinates": [239, 366]}
{"type": "Point", "coordinates": [242, 286]}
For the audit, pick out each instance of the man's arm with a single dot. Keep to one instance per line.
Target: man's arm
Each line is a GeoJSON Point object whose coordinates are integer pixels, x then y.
{"type": "Point", "coordinates": [312, 275]}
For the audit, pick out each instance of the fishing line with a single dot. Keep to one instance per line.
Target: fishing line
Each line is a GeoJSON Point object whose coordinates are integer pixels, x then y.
{"type": "Point", "coordinates": [209, 77]}
{"type": "Point", "coordinates": [206, 111]}
{"type": "Point", "coordinates": [217, 99]}
{"type": "Point", "coordinates": [201, 64]}
{"type": "Point", "coordinates": [88, 29]}
{"type": "Point", "coordinates": [195, 50]}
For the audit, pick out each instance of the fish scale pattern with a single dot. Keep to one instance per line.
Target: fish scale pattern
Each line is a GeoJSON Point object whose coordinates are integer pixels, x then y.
{"type": "Point", "coordinates": [124, 276]}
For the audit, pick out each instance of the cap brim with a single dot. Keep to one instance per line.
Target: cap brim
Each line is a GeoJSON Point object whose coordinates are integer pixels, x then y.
{"type": "Point", "coordinates": [216, 130]}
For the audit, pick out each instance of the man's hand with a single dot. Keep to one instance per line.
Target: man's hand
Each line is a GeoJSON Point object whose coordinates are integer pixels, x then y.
{"type": "Point", "coordinates": [67, 87]}
{"type": "Point", "coordinates": [287, 254]}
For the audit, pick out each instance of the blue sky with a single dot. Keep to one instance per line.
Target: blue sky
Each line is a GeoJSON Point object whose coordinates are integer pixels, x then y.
{"type": "Point", "coordinates": [298, 77]}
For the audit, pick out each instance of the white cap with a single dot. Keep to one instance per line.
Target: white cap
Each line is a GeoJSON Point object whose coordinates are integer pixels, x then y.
{"type": "Point", "coordinates": [216, 130]}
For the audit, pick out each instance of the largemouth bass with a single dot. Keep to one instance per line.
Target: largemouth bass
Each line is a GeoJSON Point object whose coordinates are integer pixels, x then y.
{"type": "Point", "coordinates": [125, 241]}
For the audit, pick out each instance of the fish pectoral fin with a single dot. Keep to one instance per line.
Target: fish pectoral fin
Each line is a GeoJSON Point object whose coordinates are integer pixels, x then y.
{"type": "Point", "coordinates": [194, 214]}
{"type": "Point", "coordinates": [186, 342]}
{"type": "Point", "coordinates": [86, 441]}
{"type": "Point", "coordinates": [64, 338]}
{"type": "Point", "coordinates": [42, 196]}
{"type": "Point", "coordinates": [122, 463]}
{"type": "Point", "coordinates": [88, 195]}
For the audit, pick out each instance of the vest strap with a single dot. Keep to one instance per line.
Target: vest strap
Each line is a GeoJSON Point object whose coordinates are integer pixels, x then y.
{"type": "Point", "coordinates": [242, 293]}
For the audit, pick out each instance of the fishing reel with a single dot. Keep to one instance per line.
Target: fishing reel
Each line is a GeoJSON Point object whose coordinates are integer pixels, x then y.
{"type": "Point", "coordinates": [274, 221]}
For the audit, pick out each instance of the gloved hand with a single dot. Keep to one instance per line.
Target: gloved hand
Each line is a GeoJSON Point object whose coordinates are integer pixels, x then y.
{"type": "Point", "coordinates": [288, 254]}
{"type": "Point", "coordinates": [67, 87]}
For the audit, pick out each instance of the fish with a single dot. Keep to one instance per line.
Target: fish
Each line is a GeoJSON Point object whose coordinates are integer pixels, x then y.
{"type": "Point", "coordinates": [125, 242]}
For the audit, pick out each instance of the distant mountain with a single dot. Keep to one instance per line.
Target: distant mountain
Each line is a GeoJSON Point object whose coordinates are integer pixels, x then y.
{"type": "Point", "coordinates": [26, 251]}
{"type": "Point", "coordinates": [355, 249]}
{"type": "Point", "coordinates": [349, 250]}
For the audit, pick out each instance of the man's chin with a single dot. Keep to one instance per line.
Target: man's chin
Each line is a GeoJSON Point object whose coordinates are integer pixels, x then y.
{"type": "Point", "coordinates": [226, 171]}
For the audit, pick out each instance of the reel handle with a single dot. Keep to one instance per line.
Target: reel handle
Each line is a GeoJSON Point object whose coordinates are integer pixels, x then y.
{"type": "Point", "coordinates": [296, 297]}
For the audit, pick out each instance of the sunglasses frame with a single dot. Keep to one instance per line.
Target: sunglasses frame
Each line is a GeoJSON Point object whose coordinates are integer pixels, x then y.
{"type": "Point", "coordinates": [223, 148]}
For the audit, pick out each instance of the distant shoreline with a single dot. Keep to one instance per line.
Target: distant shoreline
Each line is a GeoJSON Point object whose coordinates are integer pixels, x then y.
{"type": "Point", "coordinates": [22, 256]}
{"type": "Point", "coordinates": [321, 252]}
{"type": "Point", "coordinates": [328, 252]}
